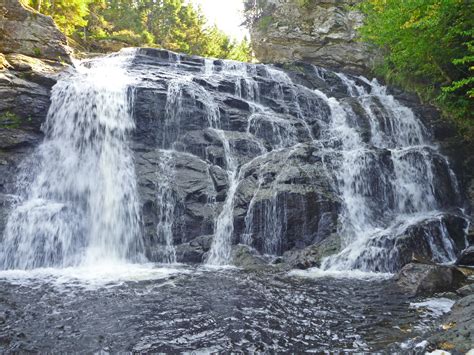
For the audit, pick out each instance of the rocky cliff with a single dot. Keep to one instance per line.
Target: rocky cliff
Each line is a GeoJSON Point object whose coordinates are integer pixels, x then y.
{"type": "Point", "coordinates": [321, 32]}
{"type": "Point", "coordinates": [272, 154]}
{"type": "Point", "coordinates": [296, 164]}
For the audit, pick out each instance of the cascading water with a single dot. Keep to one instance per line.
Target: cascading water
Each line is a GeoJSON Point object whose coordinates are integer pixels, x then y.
{"type": "Point", "coordinates": [285, 164]}
{"type": "Point", "coordinates": [179, 158]}
{"type": "Point", "coordinates": [386, 182]}
{"type": "Point", "coordinates": [81, 205]}
{"type": "Point", "coordinates": [166, 203]}
{"type": "Point", "coordinates": [377, 211]}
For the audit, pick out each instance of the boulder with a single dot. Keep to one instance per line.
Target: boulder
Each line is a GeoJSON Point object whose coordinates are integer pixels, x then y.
{"type": "Point", "coordinates": [467, 257]}
{"type": "Point", "coordinates": [466, 290]}
{"type": "Point", "coordinates": [312, 256]}
{"type": "Point", "coordinates": [194, 251]}
{"type": "Point", "coordinates": [427, 279]}
{"type": "Point", "coordinates": [247, 258]}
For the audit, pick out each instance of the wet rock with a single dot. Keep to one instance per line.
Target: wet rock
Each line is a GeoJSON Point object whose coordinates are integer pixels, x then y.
{"type": "Point", "coordinates": [466, 290]}
{"type": "Point", "coordinates": [467, 257]}
{"type": "Point", "coordinates": [247, 258]}
{"type": "Point", "coordinates": [425, 279]}
{"type": "Point", "coordinates": [459, 329]}
{"type": "Point", "coordinates": [425, 240]}
{"type": "Point", "coordinates": [312, 256]}
{"type": "Point", "coordinates": [194, 251]}
{"type": "Point", "coordinates": [286, 200]}
{"type": "Point", "coordinates": [191, 186]}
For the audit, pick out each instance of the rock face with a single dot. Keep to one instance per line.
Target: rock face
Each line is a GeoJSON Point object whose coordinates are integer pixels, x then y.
{"type": "Point", "coordinates": [321, 32]}
{"type": "Point", "coordinates": [197, 120]}
{"type": "Point", "coordinates": [24, 31]}
{"type": "Point", "coordinates": [259, 155]}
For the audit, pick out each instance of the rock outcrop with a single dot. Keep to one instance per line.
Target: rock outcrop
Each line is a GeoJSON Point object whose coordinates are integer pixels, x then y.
{"type": "Point", "coordinates": [285, 202]}
{"type": "Point", "coordinates": [25, 31]}
{"type": "Point", "coordinates": [321, 32]}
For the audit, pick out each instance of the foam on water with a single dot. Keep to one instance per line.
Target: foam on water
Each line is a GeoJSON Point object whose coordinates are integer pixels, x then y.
{"type": "Point", "coordinates": [340, 274]}
{"type": "Point", "coordinates": [435, 307]}
{"type": "Point", "coordinates": [92, 276]}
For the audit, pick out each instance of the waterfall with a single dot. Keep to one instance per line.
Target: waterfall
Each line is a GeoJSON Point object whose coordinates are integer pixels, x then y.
{"type": "Point", "coordinates": [80, 205]}
{"type": "Point", "coordinates": [381, 158]}
{"type": "Point", "coordinates": [405, 185]}
{"type": "Point", "coordinates": [276, 160]}
{"type": "Point", "coordinates": [166, 204]}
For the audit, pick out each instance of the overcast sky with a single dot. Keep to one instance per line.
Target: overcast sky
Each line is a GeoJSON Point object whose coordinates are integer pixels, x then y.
{"type": "Point", "coordinates": [226, 14]}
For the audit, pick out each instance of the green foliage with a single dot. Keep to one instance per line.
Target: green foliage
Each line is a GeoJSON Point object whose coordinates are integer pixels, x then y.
{"type": "Point", "coordinates": [68, 14]}
{"type": "Point", "coordinates": [304, 3]}
{"type": "Point", "coordinates": [428, 47]}
{"type": "Point", "coordinates": [9, 120]}
{"type": "Point", "coordinates": [264, 22]}
{"type": "Point", "coordinates": [172, 24]}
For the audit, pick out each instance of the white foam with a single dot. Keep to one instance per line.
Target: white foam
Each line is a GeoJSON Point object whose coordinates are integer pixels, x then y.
{"type": "Point", "coordinates": [92, 276]}
{"type": "Point", "coordinates": [438, 352]}
{"type": "Point", "coordinates": [435, 307]}
{"type": "Point", "coordinates": [343, 274]}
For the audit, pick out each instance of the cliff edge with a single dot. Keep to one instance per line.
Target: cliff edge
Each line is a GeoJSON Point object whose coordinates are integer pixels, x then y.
{"type": "Point", "coordinates": [320, 32]}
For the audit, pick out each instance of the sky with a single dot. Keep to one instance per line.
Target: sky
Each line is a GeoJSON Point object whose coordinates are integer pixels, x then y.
{"type": "Point", "coordinates": [226, 14]}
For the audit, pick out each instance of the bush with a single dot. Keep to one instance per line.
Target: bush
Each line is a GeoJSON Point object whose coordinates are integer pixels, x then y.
{"type": "Point", "coordinates": [428, 47]}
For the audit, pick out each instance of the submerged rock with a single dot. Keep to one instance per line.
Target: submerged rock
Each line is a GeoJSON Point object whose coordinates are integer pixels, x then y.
{"type": "Point", "coordinates": [427, 279]}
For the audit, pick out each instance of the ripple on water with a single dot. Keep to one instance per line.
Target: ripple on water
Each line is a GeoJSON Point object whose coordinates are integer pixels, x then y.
{"type": "Point", "coordinates": [182, 309]}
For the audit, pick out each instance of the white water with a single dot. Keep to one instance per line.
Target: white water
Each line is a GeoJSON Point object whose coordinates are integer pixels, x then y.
{"type": "Point", "coordinates": [81, 206]}
{"type": "Point", "coordinates": [166, 204]}
{"type": "Point", "coordinates": [435, 307]}
{"type": "Point", "coordinates": [412, 185]}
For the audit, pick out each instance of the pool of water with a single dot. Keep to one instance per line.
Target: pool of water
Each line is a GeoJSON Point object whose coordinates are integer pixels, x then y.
{"type": "Point", "coordinates": [161, 309]}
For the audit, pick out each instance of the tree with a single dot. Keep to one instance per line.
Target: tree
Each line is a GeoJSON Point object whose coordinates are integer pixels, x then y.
{"type": "Point", "coordinates": [428, 46]}
{"type": "Point", "coordinates": [172, 24]}
{"type": "Point", "coordinates": [68, 14]}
